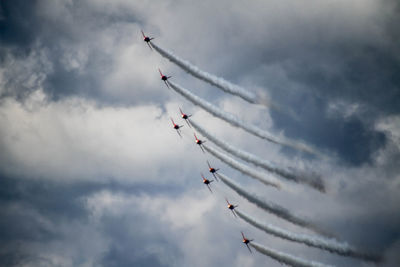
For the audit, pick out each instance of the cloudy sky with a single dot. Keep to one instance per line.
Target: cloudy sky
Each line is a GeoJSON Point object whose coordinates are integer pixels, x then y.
{"type": "Point", "coordinates": [92, 174]}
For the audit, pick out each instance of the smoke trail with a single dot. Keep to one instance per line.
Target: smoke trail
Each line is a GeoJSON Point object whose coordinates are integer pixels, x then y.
{"type": "Point", "coordinates": [311, 180]}
{"type": "Point", "coordinates": [286, 258]}
{"type": "Point", "coordinates": [207, 77]}
{"type": "Point", "coordinates": [261, 98]}
{"type": "Point", "coordinates": [269, 206]}
{"type": "Point", "coordinates": [330, 245]}
{"type": "Point", "coordinates": [243, 168]}
{"type": "Point", "coordinates": [233, 120]}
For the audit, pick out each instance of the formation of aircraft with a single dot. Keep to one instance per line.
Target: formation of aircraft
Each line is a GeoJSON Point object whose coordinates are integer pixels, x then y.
{"type": "Point", "coordinates": [211, 169]}
{"type": "Point", "coordinates": [199, 142]}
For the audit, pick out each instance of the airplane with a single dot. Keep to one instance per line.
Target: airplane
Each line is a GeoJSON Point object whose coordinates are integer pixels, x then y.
{"type": "Point", "coordinates": [185, 117]}
{"type": "Point", "coordinates": [231, 207]}
{"type": "Point", "coordinates": [147, 39]}
{"type": "Point", "coordinates": [164, 78]}
{"type": "Point", "coordinates": [177, 127]}
{"type": "Point", "coordinates": [199, 142]}
{"type": "Point", "coordinates": [207, 182]}
{"type": "Point", "coordinates": [246, 242]}
{"type": "Point", "coordinates": [212, 170]}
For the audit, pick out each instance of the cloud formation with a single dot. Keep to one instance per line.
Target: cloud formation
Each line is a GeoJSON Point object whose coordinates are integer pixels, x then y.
{"type": "Point", "coordinates": [87, 152]}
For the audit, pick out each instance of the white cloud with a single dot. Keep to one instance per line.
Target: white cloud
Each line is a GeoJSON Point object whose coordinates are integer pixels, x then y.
{"type": "Point", "coordinates": [27, 73]}
{"type": "Point", "coordinates": [343, 109]}
{"type": "Point", "coordinates": [75, 139]}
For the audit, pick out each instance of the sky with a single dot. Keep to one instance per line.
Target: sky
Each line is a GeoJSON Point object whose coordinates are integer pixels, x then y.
{"type": "Point", "coordinates": [92, 173]}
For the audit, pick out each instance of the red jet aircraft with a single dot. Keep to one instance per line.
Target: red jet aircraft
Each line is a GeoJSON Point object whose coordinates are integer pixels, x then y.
{"type": "Point", "coordinates": [185, 117]}
{"type": "Point", "coordinates": [164, 78]}
{"type": "Point", "coordinates": [147, 39]}
{"type": "Point", "coordinates": [231, 207]}
{"type": "Point", "coordinates": [199, 142]}
{"type": "Point", "coordinates": [212, 170]}
{"type": "Point", "coordinates": [177, 127]}
{"type": "Point", "coordinates": [207, 182]}
{"type": "Point", "coordinates": [246, 241]}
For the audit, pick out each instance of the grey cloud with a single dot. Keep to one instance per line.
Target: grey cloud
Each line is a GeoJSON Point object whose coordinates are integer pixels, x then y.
{"type": "Point", "coordinates": [353, 140]}
{"type": "Point", "coordinates": [130, 247]}
{"type": "Point", "coordinates": [34, 216]}
{"type": "Point", "coordinates": [15, 27]}
{"type": "Point", "coordinates": [71, 36]}
{"type": "Point", "coordinates": [321, 59]}
{"type": "Point", "coordinates": [307, 56]}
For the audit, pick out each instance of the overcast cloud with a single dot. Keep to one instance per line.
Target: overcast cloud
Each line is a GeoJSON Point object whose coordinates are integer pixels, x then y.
{"type": "Point", "coordinates": [93, 174]}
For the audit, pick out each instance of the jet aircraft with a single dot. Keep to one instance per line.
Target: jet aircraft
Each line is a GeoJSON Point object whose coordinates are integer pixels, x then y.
{"type": "Point", "coordinates": [164, 78]}
{"type": "Point", "coordinates": [212, 170]}
{"type": "Point", "coordinates": [231, 207]}
{"type": "Point", "coordinates": [246, 241]}
{"type": "Point", "coordinates": [207, 182]}
{"type": "Point", "coordinates": [147, 39]}
{"type": "Point", "coordinates": [199, 142]}
{"type": "Point", "coordinates": [185, 117]}
{"type": "Point", "coordinates": [177, 127]}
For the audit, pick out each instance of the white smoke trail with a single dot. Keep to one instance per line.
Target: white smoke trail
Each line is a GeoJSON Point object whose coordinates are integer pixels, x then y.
{"type": "Point", "coordinates": [242, 168]}
{"type": "Point", "coordinates": [331, 245]}
{"type": "Point", "coordinates": [286, 258]}
{"type": "Point", "coordinates": [261, 98]}
{"type": "Point", "coordinates": [311, 180]}
{"type": "Point", "coordinates": [233, 120]}
{"type": "Point", "coordinates": [207, 77]}
{"type": "Point", "coordinates": [269, 206]}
